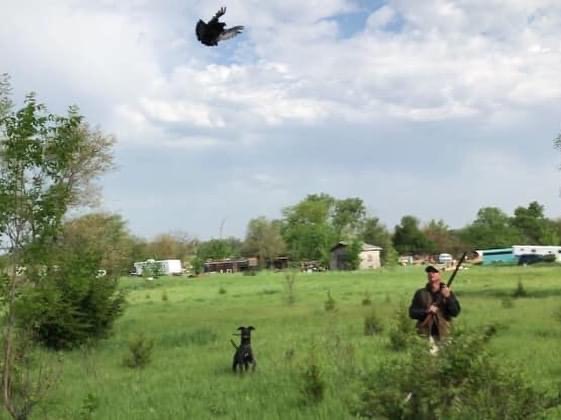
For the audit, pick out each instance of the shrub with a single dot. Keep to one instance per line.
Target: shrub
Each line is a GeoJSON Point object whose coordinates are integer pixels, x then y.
{"type": "Point", "coordinates": [507, 303]}
{"type": "Point", "coordinates": [329, 304]}
{"type": "Point", "coordinates": [520, 291]}
{"type": "Point", "coordinates": [402, 332]}
{"type": "Point", "coordinates": [140, 352]}
{"type": "Point", "coordinates": [290, 282]}
{"type": "Point", "coordinates": [462, 382]}
{"type": "Point", "coordinates": [313, 387]}
{"type": "Point", "coordinates": [366, 300]}
{"type": "Point", "coordinates": [372, 324]}
{"type": "Point", "coordinates": [90, 404]}
{"type": "Point", "coordinates": [68, 305]}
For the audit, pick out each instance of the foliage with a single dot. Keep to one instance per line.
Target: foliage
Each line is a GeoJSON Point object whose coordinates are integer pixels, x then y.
{"type": "Point", "coordinates": [69, 304]}
{"type": "Point", "coordinates": [290, 282]}
{"type": "Point", "coordinates": [140, 352]}
{"type": "Point", "coordinates": [330, 303]}
{"type": "Point", "coordinates": [520, 291]}
{"type": "Point", "coordinates": [197, 264]}
{"type": "Point", "coordinates": [307, 230]}
{"type": "Point", "coordinates": [507, 302]}
{"type": "Point", "coordinates": [352, 256]}
{"type": "Point", "coordinates": [367, 299]}
{"type": "Point", "coordinates": [35, 375]}
{"type": "Point", "coordinates": [48, 164]}
{"type": "Point", "coordinates": [402, 333]}
{"type": "Point", "coordinates": [313, 383]}
{"type": "Point", "coordinates": [533, 226]}
{"type": "Point", "coordinates": [152, 268]}
{"type": "Point", "coordinates": [373, 324]}
{"type": "Point", "coordinates": [178, 245]}
{"type": "Point", "coordinates": [444, 239]}
{"type": "Point", "coordinates": [408, 239]}
{"type": "Point", "coordinates": [90, 404]}
{"type": "Point", "coordinates": [491, 229]}
{"type": "Point", "coordinates": [219, 249]}
{"type": "Point", "coordinates": [461, 381]}
{"type": "Point", "coordinates": [104, 234]}
{"type": "Point", "coordinates": [348, 217]}
{"type": "Point", "coordinates": [264, 240]}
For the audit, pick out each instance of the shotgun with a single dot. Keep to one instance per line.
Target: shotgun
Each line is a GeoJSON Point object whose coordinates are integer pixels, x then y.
{"type": "Point", "coordinates": [428, 319]}
{"type": "Point", "coordinates": [462, 259]}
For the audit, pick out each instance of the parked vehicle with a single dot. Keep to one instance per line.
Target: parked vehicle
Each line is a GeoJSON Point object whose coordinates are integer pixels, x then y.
{"type": "Point", "coordinates": [445, 258]}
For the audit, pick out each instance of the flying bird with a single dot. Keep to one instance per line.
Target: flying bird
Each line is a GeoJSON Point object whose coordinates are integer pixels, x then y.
{"type": "Point", "coordinates": [212, 32]}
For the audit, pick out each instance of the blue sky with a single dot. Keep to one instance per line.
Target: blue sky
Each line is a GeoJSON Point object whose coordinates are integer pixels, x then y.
{"type": "Point", "coordinates": [434, 108]}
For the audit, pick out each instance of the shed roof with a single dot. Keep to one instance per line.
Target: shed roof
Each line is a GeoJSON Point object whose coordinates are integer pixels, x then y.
{"type": "Point", "coordinates": [365, 246]}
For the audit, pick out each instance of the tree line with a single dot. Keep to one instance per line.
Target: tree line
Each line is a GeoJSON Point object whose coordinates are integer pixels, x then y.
{"type": "Point", "coordinates": [310, 228]}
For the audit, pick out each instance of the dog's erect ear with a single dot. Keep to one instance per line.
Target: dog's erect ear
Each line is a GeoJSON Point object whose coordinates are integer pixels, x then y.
{"type": "Point", "coordinates": [250, 328]}
{"type": "Point", "coordinates": [241, 328]}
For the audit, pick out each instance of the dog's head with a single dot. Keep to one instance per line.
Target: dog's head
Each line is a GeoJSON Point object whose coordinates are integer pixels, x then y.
{"type": "Point", "coordinates": [245, 333]}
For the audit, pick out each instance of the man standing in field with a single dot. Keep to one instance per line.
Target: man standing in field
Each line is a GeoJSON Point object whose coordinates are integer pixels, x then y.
{"type": "Point", "coordinates": [434, 306]}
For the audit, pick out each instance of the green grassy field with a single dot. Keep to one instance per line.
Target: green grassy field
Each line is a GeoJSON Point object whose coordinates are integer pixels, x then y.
{"type": "Point", "coordinates": [191, 322]}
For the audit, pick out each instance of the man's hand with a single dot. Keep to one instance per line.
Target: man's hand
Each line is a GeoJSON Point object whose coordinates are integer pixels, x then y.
{"type": "Point", "coordinates": [433, 309]}
{"type": "Point", "coordinates": [445, 292]}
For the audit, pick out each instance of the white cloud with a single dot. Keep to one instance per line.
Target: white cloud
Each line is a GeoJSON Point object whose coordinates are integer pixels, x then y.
{"type": "Point", "coordinates": [432, 69]}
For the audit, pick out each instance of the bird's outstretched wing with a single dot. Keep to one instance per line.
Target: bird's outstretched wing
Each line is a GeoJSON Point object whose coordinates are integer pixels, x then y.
{"type": "Point", "coordinates": [221, 12]}
{"type": "Point", "coordinates": [200, 30]}
{"type": "Point", "coordinates": [214, 31]}
{"type": "Point", "coordinates": [230, 33]}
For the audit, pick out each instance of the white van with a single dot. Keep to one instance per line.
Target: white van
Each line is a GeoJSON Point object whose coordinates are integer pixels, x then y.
{"type": "Point", "coordinates": [445, 259]}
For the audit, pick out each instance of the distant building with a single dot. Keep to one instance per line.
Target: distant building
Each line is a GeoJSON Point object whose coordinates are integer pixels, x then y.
{"type": "Point", "coordinates": [369, 257]}
{"type": "Point", "coordinates": [230, 265]}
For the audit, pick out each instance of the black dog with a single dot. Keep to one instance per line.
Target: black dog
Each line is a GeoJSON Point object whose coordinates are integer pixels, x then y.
{"type": "Point", "coordinates": [243, 357]}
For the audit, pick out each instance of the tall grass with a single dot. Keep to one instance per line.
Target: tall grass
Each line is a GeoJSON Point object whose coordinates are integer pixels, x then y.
{"type": "Point", "coordinates": [189, 375]}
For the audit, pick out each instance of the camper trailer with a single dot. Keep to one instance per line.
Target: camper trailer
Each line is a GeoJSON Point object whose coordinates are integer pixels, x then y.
{"type": "Point", "coordinates": [526, 252]}
{"type": "Point", "coordinates": [163, 267]}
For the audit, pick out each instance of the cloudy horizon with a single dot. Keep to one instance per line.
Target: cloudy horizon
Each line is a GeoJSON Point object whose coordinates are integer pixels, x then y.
{"type": "Point", "coordinates": [433, 108]}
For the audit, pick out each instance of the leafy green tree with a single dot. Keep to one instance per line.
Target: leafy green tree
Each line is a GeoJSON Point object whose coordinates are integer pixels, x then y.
{"type": "Point", "coordinates": [444, 238]}
{"type": "Point", "coordinates": [47, 165]}
{"type": "Point", "coordinates": [307, 228]}
{"type": "Point", "coordinates": [264, 240]}
{"type": "Point", "coordinates": [353, 254]}
{"type": "Point", "coordinates": [491, 229]}
{"type": "Point", "coordinates": [177, 245]}
{"type": "Point", "coordinates": [348, 217]}
{"type": "Point", "coordinates": [533, 226]}
{"type": "Point", "coordinates": [218, 249]}
{"type": "Point", "coordinates": [107, 235]}
{"type": "Point", "coordinates": [408, 238]}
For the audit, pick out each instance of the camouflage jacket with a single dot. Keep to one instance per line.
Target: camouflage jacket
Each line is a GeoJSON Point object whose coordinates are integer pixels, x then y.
{"type": "Point", "coordinates": [437, 325]}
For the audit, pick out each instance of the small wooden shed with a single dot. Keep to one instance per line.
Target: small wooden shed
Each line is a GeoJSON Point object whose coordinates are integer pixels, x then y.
{"type": "Point", "coordinates": [369, 257]}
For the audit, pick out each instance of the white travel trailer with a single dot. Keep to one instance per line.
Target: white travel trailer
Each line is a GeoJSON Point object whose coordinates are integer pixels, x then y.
{"type": "Point", "coordinates": [166, 267]}
{"type": "Point", "coordinates": [542, 250]}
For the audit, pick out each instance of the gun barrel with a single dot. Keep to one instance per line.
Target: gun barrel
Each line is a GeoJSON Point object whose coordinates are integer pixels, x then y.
{"type": "Point", "coordinates": [462, 259]}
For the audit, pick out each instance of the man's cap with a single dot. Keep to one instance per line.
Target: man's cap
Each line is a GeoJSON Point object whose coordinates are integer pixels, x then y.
{"type": "Point", "coordinates": [431, 269]}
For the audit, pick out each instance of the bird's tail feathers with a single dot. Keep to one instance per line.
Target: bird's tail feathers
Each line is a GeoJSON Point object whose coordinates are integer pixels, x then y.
{"type": "Point", "coordinates": [230, 33]}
